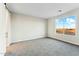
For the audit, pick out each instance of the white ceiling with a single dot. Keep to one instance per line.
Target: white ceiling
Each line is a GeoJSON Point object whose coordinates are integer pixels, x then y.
{"type": "Point", "coordinates": [42, 10]}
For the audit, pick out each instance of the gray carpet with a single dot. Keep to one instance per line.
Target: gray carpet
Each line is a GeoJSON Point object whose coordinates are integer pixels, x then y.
{"type": "Point", "coordinates": [42, 47]}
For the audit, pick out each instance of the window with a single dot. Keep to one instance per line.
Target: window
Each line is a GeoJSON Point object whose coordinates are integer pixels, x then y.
{"type": "Point", "coordinates": [66, 25]}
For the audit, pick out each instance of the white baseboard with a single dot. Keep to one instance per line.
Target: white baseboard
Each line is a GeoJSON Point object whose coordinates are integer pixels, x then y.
{"type": "Point", "coordinates": [27, 40]}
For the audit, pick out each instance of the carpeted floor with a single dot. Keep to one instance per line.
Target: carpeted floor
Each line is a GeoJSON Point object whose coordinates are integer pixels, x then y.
{"type": "Point", "coordinates": [42, 47]}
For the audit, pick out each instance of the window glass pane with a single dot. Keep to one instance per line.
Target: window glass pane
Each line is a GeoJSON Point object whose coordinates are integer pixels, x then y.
{"type": "Point", "coordinates": [70, 25]}
{"type": "Point", "coordinates": [59, 25]}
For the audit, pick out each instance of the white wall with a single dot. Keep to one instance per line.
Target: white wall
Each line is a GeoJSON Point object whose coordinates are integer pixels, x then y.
{"type": "Point", "coordinates": [27, 27]}
{"type": "Point", "coordinates": [2, 29]}
{"type": "Point", "coordinates": [8, 27]}
{"type": "Point", "coordinates": [68, 38]}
